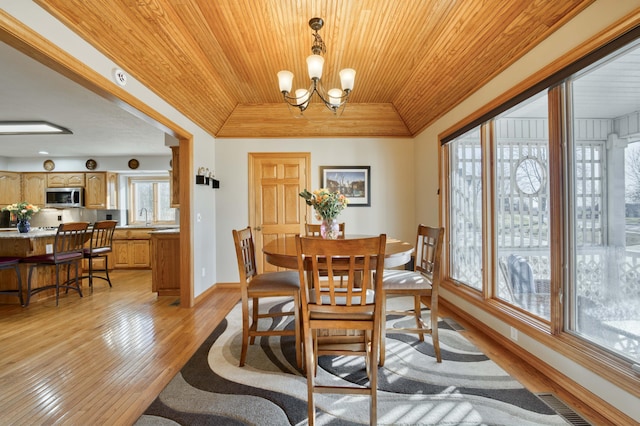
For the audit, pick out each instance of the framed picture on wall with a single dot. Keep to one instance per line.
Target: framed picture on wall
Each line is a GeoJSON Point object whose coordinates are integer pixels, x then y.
{"type": "Point", "coordinates": [352, 181]}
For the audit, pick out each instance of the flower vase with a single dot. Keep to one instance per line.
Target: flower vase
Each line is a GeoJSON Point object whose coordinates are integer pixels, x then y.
{"type": "Point", "coordinates": [329, 229]}
{"type": "Point", "coordinates": [24, 226]}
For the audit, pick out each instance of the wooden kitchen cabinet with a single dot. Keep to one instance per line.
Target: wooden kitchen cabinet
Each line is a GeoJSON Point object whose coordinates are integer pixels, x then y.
{"type": "Point", "coordinates": [95, 192]}
{"type": "Point", "coordinates": [33, 187]}
{"type": "Point", "coordinates": [65, 180]}
{"type": "Point", "coordinates": [131, 249]}
{"type": "Point", "coordinates": [112, 190]}
{"type": "Point", "coordinates": [165, 263]}
{"type": "Point", "coordinates": [10, 188]}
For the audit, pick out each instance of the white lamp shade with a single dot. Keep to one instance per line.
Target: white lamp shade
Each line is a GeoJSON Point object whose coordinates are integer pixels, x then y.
{"type": "Point", "coordinates": [334, 97]}
{"type": "Point", "coordinates": [347, 78]}
{"type": "Point", "coordinates": [285, 78]}
{"type": "Point", "coordinates": [302, 97]}
{"type": "Point", "coordinates": [314, 65]}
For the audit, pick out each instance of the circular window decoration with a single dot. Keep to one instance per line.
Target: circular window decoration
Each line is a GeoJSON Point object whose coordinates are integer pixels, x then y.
{"type": "Point", "coordinates": [530, 176]}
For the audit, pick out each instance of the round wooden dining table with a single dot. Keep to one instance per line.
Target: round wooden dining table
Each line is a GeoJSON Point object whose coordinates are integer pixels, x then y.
{"type": "Point", "coordinates": [281, 251]}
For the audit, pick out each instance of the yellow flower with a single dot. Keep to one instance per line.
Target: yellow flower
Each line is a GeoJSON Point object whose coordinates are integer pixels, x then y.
{"type": "Point", "coordinates": [326, 204]}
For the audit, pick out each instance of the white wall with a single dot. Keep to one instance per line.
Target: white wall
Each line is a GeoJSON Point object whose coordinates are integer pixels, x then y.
{"type": "Point", "coordinates": [392, 186]}
{"type": "Point", "coordinates": [595, 18]}
{"type": "Point", "coordinates": [203, 236]}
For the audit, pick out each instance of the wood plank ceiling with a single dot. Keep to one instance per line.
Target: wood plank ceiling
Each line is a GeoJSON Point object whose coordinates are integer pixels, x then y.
{"type": "Point", "coordinates": [216, 61]}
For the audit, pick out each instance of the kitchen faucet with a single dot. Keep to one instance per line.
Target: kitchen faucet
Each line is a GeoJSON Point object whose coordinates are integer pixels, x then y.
{"type": "Point", "coordinates": [146, 216]}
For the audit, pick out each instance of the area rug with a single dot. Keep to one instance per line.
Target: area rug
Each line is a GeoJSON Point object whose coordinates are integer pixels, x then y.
{"type": "Point", "coordinates": [467, 388]}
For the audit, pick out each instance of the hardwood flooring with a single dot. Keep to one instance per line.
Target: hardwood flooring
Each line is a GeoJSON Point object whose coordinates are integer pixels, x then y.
{"type": "Point", "coordinates": [103, 358]}
{"type": "Point", "coordinates": [100, 359]}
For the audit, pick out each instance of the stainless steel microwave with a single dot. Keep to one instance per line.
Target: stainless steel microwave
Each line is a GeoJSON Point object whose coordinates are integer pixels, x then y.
{"type": "Point", "coordinates": [64, 197]}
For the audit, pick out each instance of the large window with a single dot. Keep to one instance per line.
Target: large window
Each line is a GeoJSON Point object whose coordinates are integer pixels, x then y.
{"type": "Point", "coordinates": [150, 199]}
{"type": "Point", "coordinates": [522, 206]}
{"type": "Point", "coordinates": [557, 178]}
{"type": "Point", "coordinates": [604, 301]}
{"type": "Point", "coordinates": [465, 164]}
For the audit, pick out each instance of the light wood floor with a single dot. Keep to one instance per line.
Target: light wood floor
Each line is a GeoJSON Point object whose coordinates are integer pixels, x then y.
{"type": "Point", "coordinates": [103, 359]}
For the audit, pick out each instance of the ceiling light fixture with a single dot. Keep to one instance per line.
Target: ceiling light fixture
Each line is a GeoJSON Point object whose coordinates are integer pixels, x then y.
{"type": "Point", "coordinates": [333, 99]}
{"type": "Point", "coordinates": [31, 128]}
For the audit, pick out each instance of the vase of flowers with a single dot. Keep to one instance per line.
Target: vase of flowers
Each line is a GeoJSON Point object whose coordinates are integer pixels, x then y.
{"type": "Point", "coordinates": [23, 212]}
{"type": "Point", "coordinates": [329, 229]}
{"type": "Point", "coordinates": [327, 206]}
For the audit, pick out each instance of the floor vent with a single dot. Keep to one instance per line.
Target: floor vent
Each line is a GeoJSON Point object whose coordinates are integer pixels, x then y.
{"type": "Point", "coordinates": [454, 325]}
{"type": "Point", "coordinates": [563, 410]}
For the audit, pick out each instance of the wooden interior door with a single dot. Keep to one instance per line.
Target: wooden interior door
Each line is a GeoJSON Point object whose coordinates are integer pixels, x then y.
{"type": "Point", "coordinates": [275, 208]}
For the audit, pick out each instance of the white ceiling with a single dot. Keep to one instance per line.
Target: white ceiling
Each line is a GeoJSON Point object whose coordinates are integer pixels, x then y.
{"type": "Point", "coordinates": [31, 91]}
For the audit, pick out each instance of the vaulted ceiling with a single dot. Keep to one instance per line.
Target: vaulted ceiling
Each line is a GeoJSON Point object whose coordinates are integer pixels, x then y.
{"type": "Point", "coordinates": [216, 61]}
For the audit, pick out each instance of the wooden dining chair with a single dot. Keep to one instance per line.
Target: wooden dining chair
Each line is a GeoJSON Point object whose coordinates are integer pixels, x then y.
{"type": "Point", "coordinates": [328, 308]}
{"type": "Point", "coordinates": [100, 245]}
{"type": "Point", "coordinates": [423, 281]}
{"type": "Point", "coordinates": [313, 229]}
{"type": "Point", "coordinates": [67, 251]}
{"type": "Point", "coordinates": [254, 286]}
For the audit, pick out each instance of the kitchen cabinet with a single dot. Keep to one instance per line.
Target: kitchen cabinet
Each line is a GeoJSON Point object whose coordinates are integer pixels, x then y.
{"type": "Point", "coordinates": [65, 180]}
{"type": "Point", "coordinates": [112, 190]}
{"type": "Point", "coordinates": [174, 174]}
{"type": "Point", "coordinates": [9, 188]}
{"type": "Point", "coordinates": [95, 192]}
{"type": "Point", "coordinates": [33, 186]}
{"type": "Point", "coordinates": [165, 262]}
{"type": "Point", "coordinates": [131, 249]}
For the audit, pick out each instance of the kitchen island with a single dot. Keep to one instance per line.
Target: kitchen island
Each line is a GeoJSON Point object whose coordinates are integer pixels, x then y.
{"type": "Point", "coordinates": [35, 242]}
{"type": "Point", "coordinates": [165, 262]}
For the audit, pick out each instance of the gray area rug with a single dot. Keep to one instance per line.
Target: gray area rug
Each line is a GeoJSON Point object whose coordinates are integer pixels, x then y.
{"type": "Point", "coordinates": [467, 388]}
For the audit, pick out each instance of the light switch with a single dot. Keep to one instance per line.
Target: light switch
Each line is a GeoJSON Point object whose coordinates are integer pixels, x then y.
{"type": "Point", "coordinates": [198, 217]}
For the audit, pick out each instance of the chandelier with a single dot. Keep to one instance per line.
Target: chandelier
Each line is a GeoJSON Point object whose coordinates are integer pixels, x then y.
{"type": "Point", "coordinates": [333, 99]}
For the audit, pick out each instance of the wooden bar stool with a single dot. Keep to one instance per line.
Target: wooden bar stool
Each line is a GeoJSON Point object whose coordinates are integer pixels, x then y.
{"type": "Point", "coordinates": [100, 245]}
{"type": "Point", "coordinates": [67, 250]}
{"type": "Point", "coordinates": [8, 262]}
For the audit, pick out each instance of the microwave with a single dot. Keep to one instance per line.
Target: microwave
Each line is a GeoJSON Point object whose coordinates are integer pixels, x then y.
{"type": "Point", "coordinates": [64, 197]}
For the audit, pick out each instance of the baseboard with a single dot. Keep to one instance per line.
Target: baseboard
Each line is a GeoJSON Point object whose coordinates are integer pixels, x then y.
{"type": "Point", "coordinates": [578, 391]}
{"type": "Point", "coordinates": [228, 285]}
{"type": "Point", "coordinates": [218, 286]}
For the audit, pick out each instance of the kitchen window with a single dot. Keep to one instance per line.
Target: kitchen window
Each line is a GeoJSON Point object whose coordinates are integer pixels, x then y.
{"type": "Point", "coordinates": [149, 202]}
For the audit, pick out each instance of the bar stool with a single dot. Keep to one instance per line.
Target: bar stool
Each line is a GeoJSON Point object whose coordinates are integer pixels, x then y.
{"type": "Point", "coordinates": [8, 262]}
{"type": "Point", "coordinates": [67, 250]}
{"type": "Point", "coordinates": [100, 246]}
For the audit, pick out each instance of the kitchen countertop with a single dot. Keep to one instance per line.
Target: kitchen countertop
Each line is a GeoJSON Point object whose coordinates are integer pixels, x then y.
{"type": "Point", "coordinates": [166, 231]}
{"type": "Point", "coordinates": [6, 233]}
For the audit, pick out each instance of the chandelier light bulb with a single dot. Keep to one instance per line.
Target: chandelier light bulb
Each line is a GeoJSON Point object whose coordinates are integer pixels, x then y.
{"type": "Point", "coordinates": [347, 78]}
{"type": "Point", "coordinates": [302, 98]}
{"type": "Point", "coordinates": [335, 96]}
{"type": "Point", "coordinates": [285, 78]}
{"type": "Point", "coordinates": [314, 66]}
